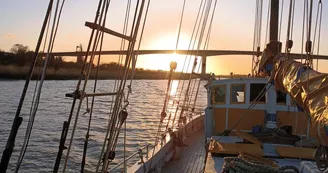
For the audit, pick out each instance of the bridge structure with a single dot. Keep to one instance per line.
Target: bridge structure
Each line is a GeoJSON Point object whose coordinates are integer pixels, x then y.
{"type": "Point", "coordinates": [202, 53]}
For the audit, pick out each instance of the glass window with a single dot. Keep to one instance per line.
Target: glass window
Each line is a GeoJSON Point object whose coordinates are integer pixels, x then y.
{"type": "Point", "coordinates": [256, 89]}
{"type": "Point", "coordinates": [218, 94]}
{"type": "Point", "coordinates": [237, 92]}
{"type": "Point", "coordinates": [281, 97]}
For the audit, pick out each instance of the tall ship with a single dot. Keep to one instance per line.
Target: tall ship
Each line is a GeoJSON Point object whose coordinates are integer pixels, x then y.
{"type": "Point", "coordinates": [271, 120]}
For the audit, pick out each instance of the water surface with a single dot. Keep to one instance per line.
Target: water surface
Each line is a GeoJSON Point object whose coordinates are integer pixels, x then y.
{"type": "Point", "coordinates": [146, 102]}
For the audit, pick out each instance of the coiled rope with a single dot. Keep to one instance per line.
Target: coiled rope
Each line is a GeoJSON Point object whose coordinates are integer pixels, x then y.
{"type": "Point", "coordinates": [321, 158]}
{"type": "Point", "coordinates": [236, 164]}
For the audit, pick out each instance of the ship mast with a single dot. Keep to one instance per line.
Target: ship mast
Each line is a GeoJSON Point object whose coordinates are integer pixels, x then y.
{"type": "Point", "coordinates": [274, 45]}
{"type": "Point", "coordinates": [307, 87]}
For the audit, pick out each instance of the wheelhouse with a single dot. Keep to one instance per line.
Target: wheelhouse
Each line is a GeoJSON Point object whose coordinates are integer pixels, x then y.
{"type": "Point", "coordinates": [231, 99]}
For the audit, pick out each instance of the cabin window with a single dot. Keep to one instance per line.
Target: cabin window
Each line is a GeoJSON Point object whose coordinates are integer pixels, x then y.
{"type": "Point", "coordinates": [255, 90]}
{"type": "Point", "coordinates": [281, 97]}
{"type": "Point", "coordinates": [218, 94]}
{"type": "Point", "coordinates": [237, 93]}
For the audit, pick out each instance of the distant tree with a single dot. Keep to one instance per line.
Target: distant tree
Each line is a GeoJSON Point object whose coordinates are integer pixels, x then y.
{"type": "Point", "coordinates": [59, 60]}
{"type": "Point", "coordinates": [28, 56]}
{"type": "Point", "coordinates": [19, 49]}
{"type": "Point", "coordinates": [2, 50]}
{"type": "Point", "coordinates": [21, 55]}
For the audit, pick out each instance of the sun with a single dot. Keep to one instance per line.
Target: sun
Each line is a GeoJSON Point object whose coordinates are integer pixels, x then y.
{"type": "Point", "coordinates": [162, 61]}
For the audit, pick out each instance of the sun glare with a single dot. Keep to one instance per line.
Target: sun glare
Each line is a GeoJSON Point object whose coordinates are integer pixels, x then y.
{"type": "Point", "coordinates": [162, 61]}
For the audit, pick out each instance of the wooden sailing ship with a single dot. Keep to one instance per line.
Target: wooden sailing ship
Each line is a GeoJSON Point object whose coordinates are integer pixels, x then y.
{"type": "Point", "coordinates": [247, 126]}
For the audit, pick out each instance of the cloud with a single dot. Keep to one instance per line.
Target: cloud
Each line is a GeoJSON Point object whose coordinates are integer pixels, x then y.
{"type": "Point", "coordinates": [9, 36]}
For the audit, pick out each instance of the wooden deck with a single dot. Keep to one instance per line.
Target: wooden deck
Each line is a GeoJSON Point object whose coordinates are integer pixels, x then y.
{"type": "Point", "coordinates": [191, 157]}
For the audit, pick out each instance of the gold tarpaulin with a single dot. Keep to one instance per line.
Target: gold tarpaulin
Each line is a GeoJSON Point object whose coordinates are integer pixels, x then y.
{"type": "Point", "coordinates": [307, 87]}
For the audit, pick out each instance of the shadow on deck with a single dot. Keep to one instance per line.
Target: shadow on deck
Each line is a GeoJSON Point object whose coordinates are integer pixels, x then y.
{"type": "Point", "coordinates": [191, 157]}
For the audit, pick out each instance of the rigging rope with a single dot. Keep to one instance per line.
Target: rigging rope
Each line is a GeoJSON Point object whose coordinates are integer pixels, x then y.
{"type": "Point", "coordinates": [18, 120]}
{"type": "Point", "coordinates": [66, 124]}
{"type": "Point", "coordinates": [260, 24]}
{"type": "Point", "coordinates": [292, 22]}
{"type": "Point", "coordinates": [190, 57]}
{"type": "Point", "coordinates": [205, 47]}
{"type": "Point", "coordinates": [267, 25]}
{"type": "Point", "coordinates": [196, 92]}
{"type": "Point", "coordinates": [303, 27]}
{"type": "Point", "coordinates": [319, 35]}
{"type": "Point", "coordinates": [163, 113]}
{"type": "Point", "coordinates": [180, 25]}
{"type": "Point", "coordinates": [257, 34]}
{"type": "Point", "coordinates": [39, 72]}
{"type": "Point", "coordinates": [134, 32]}
{"type": "Point", "coordinates": [197, 24]}
{"type": "Point", "coordinates": [37, 99]}
{"type": "Point", "coordinates": [254, 37]}
{"type": "Point", "coordinates": [94, 91]}
{"type": "Point", "coordinates": [182, 74]}
{"type": "Point", "coordinates": [118, 72]}
{"type": "Point", "coordinates": [207, 11]}
{"type": "Point", "coordinates": [133, 72]}
{"type": "Point", "coordinates": [199, 43]}
{"type": "Point", "coordinates": [281, 14]}
{"type": "Point", "coordinates": [87, 75]}
{"type": "Point", "coordinates": [308, 45]}
{"type": "Point", "coordinates": [289, 41]}
{"type": "Point", "coordinates": [134, 69]}
{"type": "Point", "coordinates": [318, 20]}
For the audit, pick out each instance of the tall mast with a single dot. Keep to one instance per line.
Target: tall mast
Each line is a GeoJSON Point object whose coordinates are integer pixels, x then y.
{"type": "Point", "coordinates": [274, 20]}
{"type": "Point", "coordinates": [274, 46]}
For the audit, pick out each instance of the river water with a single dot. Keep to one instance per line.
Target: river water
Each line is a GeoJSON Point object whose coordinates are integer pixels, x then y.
{"type": "Point", "coordinates": [146, 102]}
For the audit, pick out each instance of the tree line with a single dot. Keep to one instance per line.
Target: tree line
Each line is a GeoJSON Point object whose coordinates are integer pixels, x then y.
{"type": "Point", "coordinates": [21, 55]}
{"type": "Point", "coordinates": [14, 65]}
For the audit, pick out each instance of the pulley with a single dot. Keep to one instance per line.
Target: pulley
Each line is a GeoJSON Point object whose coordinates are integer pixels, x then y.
{"type": "Point", "coordinates": [111, 156]}
{"type": "Point", "coordinates": [289, 44]}
{"type": "Point", "coordinates": [173, 65]}
{"type": "Point", "coordinates": [195, 62]}
{"type": "Point", "coordinates": [308, 46]}
{"type": "Point", "coordinates": [123, 116]}
{"type": "Point", "coordinates": [163, 115]}
{"type": "Point", "coordinates": [258, 51]}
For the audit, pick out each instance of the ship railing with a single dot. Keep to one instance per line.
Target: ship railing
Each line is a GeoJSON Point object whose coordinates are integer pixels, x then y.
{"type": "Point", "coordinates": [140, 152]}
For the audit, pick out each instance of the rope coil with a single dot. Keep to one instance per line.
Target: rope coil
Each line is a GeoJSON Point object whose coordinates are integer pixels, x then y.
{"type": "Point", "coordinates": [237, 164]}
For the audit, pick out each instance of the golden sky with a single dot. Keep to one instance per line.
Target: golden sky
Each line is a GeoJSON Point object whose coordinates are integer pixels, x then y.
{"type": "Point", "coordinates": [233, 26]}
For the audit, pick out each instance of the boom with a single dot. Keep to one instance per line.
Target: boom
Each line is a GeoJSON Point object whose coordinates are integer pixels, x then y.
{"type": "Point", "coordinates": [307, 87]}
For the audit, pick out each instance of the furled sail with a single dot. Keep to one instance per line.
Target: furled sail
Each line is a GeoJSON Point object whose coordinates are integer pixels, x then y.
{"type": "Point", "coordinates": [307, 87]}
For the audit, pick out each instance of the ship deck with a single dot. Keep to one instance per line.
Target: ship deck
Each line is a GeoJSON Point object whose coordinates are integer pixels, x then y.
{"type": "Point", "coordinates": [191, 157]}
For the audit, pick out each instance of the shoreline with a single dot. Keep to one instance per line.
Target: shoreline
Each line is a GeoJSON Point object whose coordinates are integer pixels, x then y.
{"type": "Point", "coordinates": [9, 73]}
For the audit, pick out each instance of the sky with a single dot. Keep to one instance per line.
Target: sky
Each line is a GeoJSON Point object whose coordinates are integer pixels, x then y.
{"type": "Point", "coordinates": [233, 27]}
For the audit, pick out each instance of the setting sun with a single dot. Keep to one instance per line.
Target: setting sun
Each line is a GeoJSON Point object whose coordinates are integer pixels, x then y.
{"type": "Point", "coordinates": [162, 61]}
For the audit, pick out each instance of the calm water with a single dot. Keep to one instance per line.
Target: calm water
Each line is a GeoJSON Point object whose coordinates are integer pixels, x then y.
{"type": "Point", "coordinates": [144, 111]}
